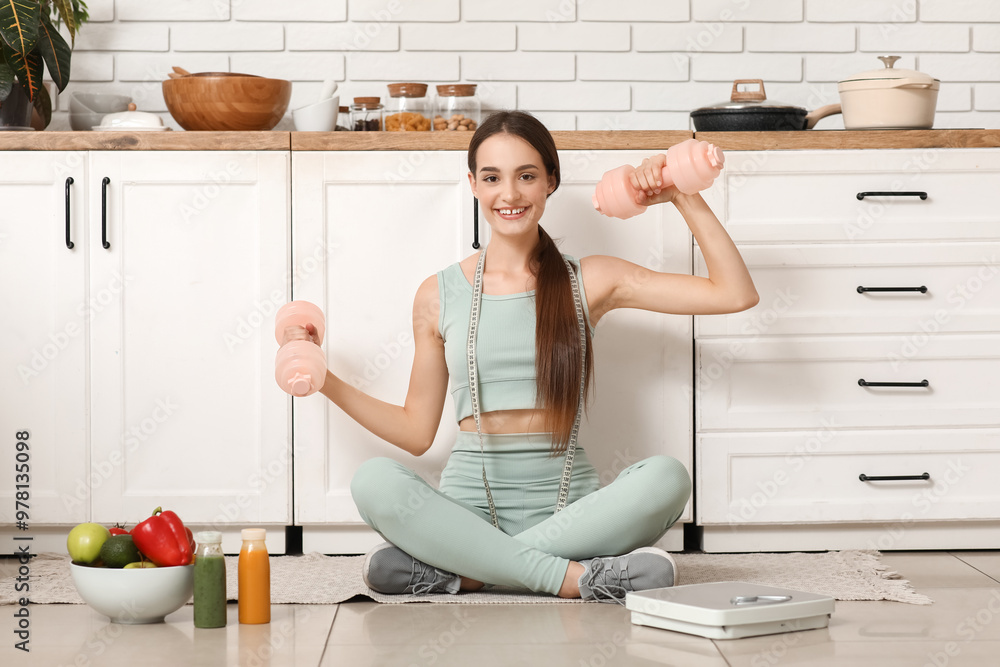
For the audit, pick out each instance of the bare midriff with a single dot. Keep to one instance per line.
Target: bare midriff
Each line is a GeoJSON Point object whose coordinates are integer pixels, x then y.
{"type": "Point", "coordinates": [506, 421]}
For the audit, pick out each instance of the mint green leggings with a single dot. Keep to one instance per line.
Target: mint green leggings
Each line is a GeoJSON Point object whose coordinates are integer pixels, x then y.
{"type": "Point", "coordinates": [449, 528]}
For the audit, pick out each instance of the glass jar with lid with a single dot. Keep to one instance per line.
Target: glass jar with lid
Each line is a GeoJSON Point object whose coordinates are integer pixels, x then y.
{"type": "Point", "coordinates": [456, 108]}
{"type": "Point", "coordinates": [366, 114]}
{"type": "Point", "coordinates": [343, 119]}
{"type": "Point", "coordinates": [407, 109]}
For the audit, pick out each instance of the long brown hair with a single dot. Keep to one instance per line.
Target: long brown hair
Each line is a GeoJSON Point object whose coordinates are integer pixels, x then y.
{"type": "Point", "coordinates": [557, 335]}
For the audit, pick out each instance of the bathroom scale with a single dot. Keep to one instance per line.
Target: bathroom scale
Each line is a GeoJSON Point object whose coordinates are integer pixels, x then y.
{"type": "Point", "coordinates": [729, 609]}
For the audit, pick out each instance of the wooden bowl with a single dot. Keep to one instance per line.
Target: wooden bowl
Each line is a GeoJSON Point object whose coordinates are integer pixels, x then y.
{"type": "Point", "coordinates": [227, 102]}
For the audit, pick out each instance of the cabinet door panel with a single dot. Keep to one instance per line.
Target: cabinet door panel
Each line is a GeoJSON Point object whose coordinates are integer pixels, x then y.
{"type": "Point", "coordinates": [186, 413]}
{"type": "Point", "coordinates": [369, 228]}
{"type": "Point", "coordinates": [43, 337]}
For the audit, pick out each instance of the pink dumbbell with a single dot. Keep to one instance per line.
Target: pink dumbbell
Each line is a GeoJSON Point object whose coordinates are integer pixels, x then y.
{"type": "Point", "coordinates": [300, 365]}
{"type": "Point", "coordinates": [691, 167]}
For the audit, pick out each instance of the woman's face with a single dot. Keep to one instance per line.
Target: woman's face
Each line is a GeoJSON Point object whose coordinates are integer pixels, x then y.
{"type": "Point", "coordinates": [511, 184]}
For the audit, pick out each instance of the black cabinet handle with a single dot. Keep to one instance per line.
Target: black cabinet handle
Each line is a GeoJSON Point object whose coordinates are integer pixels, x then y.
{"type": "Point", "coordinates": [892, 478]}
{"type": "Point", "coordinates": [922, 289]}
{"type": "Point", "coordinates": [475, 223]}
{"type": "Point", "coordinates": [865, 383]}
{"type": "Point", "coordinates": [69, 182]}
{"type": "Point", "coordinates": [104, 212]}
{"type": "Point", "coordinates": [862, 195]}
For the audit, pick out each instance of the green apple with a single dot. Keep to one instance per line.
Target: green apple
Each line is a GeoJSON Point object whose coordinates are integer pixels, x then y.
{"type": "Point", "coordinates": [85, 541]}
{"type": "Point", "coordinates": [140, 565]}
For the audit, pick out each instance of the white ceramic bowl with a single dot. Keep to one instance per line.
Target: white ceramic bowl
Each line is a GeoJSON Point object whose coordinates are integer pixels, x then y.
{"type": "Point", "coordinates": [134, 596]}
{"type": "Point", "coordinates": [317, 117]}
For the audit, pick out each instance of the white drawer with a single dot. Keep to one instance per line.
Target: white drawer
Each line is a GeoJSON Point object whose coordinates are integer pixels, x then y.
{"type": "Point", "coordinates": [777, 196]}
{"type": "Point", "coordinates": [813, 289]}
{"type": "Point", "coordinates": [814, 477]}
{"type": "Point", "coordinates": [796, 383]}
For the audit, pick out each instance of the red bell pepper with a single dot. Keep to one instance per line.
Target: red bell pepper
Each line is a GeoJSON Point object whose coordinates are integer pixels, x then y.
{"type": "Point", "coordinates": [164, 539]}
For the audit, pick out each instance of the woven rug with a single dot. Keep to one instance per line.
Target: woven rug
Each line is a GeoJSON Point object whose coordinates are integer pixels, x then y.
{"type": "Point", "coordinates": [318, 579]}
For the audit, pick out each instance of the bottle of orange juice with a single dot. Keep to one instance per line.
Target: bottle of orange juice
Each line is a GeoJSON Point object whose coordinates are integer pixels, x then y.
{"type": "Point", "coordinates": [254, 578]}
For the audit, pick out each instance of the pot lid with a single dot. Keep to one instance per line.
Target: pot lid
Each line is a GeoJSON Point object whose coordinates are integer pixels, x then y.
{"type": "Point", "coordinates": [131, 119]}
{"type": "Point", "coordinates": [743, 100]}
{"type": "Point", "coordinates": [890, 72]}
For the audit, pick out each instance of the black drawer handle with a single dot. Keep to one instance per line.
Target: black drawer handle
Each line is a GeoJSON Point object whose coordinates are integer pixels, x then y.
{"type": "Point", "coordinates": [862, 195]}
{"type": "Point", "coordinates": [892, 478]}
{"type": "Point", "coordinates": [104, 212]}
{"type": "Point", "coordinates": [69, 242]}
{"type": "Point", "coordinates": [865, 383]}
{"type": "Point", "coordinates": [922, 289]}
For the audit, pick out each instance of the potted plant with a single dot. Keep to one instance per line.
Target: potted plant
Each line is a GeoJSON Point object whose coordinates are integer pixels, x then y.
{"type": "Point", "coordinates": [30, 43]}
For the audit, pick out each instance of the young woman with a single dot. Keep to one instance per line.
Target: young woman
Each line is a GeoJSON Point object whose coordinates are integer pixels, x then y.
{"type": "Point", "coordinates": [511, 326]}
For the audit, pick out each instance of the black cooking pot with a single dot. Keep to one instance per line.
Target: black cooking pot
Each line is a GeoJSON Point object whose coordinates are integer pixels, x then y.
{"type": "Point", "coordinates": [751, 111]}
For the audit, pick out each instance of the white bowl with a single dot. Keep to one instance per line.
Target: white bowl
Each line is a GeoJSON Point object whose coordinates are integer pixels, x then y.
{"type": "Point", "coordinates": [317, 117]}
{"type": "Point", "coordinates": [134, 596]}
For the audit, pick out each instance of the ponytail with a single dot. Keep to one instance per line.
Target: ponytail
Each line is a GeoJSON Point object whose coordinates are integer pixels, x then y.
{"type": "Point", "coordinates": [557, 343]}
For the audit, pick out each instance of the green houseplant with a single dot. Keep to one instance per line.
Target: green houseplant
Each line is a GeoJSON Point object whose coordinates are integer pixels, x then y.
{"type": "Point", "coordinates": [30, 43]}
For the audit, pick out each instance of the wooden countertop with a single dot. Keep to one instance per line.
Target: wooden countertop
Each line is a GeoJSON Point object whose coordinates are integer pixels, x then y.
{"type": "Point", "coordinates": [459, 141]}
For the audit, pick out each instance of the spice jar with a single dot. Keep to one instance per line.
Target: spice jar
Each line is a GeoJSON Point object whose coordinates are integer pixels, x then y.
{"type": "Point", "coordinates": [407, 108]}
{"type": "Point", "coordinates": [366, 114]}
{"type": "Point", "coordinates": [456, 108]}
{"type": "Point", "coordinates": [343, 119]}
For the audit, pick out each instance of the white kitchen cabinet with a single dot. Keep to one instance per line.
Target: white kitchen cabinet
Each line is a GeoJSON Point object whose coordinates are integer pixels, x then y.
{"type": "Point", "coordinates": [370, 226]}
{"type": "Point", "coordinates": [44, 335]}
{"type": "Point", "coordinates": [182, 391]}
{"type": "Point", "coordinates": [855, 405]}
{"type": "Point", "coordinates": [179, 264]}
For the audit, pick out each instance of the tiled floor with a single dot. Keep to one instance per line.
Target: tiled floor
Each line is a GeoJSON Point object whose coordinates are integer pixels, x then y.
{"type": "Point", "coordinates": [962, 627]}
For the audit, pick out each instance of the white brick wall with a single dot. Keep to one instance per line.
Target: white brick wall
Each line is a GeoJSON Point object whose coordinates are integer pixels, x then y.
{"type": "Point", "coordinates": [579, 64]}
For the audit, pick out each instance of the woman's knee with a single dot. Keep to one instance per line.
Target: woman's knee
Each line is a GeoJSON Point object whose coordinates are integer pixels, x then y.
{"type": "Point", "coordinates": [663, 480]}
{"type": "Point", "coordinates": [374, 482]}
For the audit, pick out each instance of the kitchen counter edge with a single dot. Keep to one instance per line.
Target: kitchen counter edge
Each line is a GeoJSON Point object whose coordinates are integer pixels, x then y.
{"type": "Point", "coordinates": [445, 141]}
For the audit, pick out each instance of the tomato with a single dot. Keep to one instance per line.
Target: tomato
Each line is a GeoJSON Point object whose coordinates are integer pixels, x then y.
{"type": "Point", "coordinates": [85, 541]}
{"type": "Point", "coordinates": [118, 529]}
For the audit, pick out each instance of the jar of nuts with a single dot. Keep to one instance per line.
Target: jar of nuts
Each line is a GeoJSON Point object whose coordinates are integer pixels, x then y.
{"type": "Point", "coordinates": [456, 108]}
{"type": "Point", "coordinates": [407, 108]}
{"type": "Point", "coordinates": [366, 114]}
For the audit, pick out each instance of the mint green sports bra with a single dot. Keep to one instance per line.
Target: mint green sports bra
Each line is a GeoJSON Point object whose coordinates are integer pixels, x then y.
{"type": "Point", "coordinates": [505, 348]}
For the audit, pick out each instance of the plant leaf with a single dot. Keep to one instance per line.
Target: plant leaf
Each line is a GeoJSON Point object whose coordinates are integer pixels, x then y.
{"type": "Point", "coordinates": [43, 105]}
{"type": "Point", "coordinates": [19, 23]}
{"type": "Point", "coordinates": [6, 79]}
{"type": "Point", "coordinates": [27, 67]}
{"type": "Point", "coordinates": [55, 51]}
{"type": "Point", "coordinates": [64, 10]}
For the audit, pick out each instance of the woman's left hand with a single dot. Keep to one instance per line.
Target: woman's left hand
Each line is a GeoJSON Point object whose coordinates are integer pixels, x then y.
{"type": "Point", "coordinates": [647, 180]}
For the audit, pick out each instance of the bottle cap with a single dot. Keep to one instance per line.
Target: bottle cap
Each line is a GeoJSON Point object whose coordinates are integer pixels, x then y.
{"type": "Point", "coordinates": [253, 534]}
{"type": "Point", "coordinates": [367, 102]}
{"type": "Point", "coordinates": [208, 537]}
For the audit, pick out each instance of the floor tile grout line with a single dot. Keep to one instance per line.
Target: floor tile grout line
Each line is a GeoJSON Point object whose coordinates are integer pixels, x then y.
{"type": "Point", "coordinates": [974, 567]}
{"type": "Point", "coordinates": [329, 633]}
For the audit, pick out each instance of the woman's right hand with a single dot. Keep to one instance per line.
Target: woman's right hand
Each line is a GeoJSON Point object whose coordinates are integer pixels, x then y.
{"type": "Point", "coordinates": [294, 332]}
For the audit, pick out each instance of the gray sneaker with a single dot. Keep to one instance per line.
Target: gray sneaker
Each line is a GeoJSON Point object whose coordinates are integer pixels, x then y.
{"type": "Point", "coordinates": [608, 579]}
{"type": "Point", "coordinates": [390, 570]}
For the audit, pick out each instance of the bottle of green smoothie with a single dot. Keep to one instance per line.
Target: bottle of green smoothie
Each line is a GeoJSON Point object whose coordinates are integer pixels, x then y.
{"type": "Point", "coordinates": [209, 581]}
